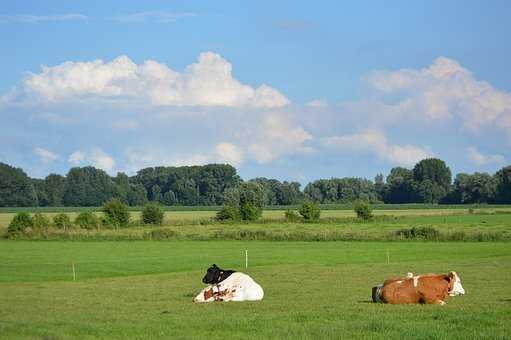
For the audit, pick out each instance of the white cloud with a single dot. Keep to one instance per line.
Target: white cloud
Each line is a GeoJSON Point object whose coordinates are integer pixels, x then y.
{"type": "Point", "coordinates": [45, 155]}
{"type": "Point", "coordinates": [442, 91]}
{"type": "Point", "coordinates": [96, 157]}
{"type": "Point", "coordinates": [276, 136]}
{"type": "Point", "coordinates": [76, 157]}
{"type": "Point", "coordinates": [229, 153]}
{"type": "Point", "coordinates": [102, 160]}
{"type": "Point", "coordinates": [318, 103]}
{"type": "Point", "coordinates": [374, 141]}
{"type": "Point", "coordinates": [34, 19]}
{"type": "Point", "coordinates": [156, 16]}
{"type": "Point", "coordinates": [476, 157]}
{"type": "Point", "coordinates": [209, 82]}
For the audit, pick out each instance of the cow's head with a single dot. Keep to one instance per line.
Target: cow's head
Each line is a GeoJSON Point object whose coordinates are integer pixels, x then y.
{"type": "Point", "coordinates": [455, 287]}
{"type": "Point", "coordinates": [212, 275]}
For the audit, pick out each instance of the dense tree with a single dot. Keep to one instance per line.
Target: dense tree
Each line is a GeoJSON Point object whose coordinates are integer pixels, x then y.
{"type": "Point", "coordinates": [137, 195]}
{"type": "Point", "coordinates": [16, 188]}
{"type": "Point", "coordinates": [54, 186]}
{"type": "Point", "coordinates": [503, 180]}
{"type": "Point", "coordinates": [88, 186]}
{"type": "Point", "coordinates": [279, 193]}
{"type": "Point", "coordinates": [341, 190]}
{"type": "Point", "coordinates": [432, 180]}
{"type": "Point", "coordinates": [475, 188]}
{"type": "Point", "coordinates": [399, 187]}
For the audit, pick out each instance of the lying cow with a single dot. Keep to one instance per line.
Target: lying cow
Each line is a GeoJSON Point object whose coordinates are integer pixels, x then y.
{"type": "Point", "coordinates": [228, 285]}
{"type": "Point", "coordinates": [428, 288]}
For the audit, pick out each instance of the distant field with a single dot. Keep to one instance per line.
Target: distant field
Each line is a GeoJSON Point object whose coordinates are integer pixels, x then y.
{"type": "Point", "coordinates": [312, 290]}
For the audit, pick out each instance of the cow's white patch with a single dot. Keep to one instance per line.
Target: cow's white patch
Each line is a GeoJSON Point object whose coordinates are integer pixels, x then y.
{"type": "Point", "coordinates": [442, 303]}
{"type": "Point", "coordinates": [457, 288]}
{"type": "Point", "coordinates": [409, 275]}
{"type": "Point", "coordinates": [237, 287]}
{"type": "Point", "coordinates": [416, 280]}
{"type": "Point", "coordinates": [399, 281]}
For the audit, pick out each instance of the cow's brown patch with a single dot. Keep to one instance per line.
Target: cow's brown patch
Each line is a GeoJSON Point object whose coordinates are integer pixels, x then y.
{"type": "Point", "coordinates": [431, 288]}
{"type": "Point", "coordinates": [208, 294]}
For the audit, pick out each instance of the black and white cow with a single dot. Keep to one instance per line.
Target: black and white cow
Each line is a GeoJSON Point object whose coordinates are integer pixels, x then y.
{"type": "Point", "coordinates": [228, 285]}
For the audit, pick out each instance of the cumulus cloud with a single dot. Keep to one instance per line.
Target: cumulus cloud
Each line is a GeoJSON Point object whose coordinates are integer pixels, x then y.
{"type": "Point", "coordinates": [208, 82]}
{"type": "Point", "coordinates": [95, 157]}
{"type": "Point", "coordinates": [154, 16]}
{"type": "Point", "coordinates": [318, 103]}
{"type": "Point", "coordinates": [34, 19]}
{"type": "Point", "coordinates": [229, 153]}
{"type": "Point", "coordinates": [478, 158]}
{"type": "Point", "coordinates": [277, 136]}
{"type": "Point", "coordinates": [76, 158]}
{"type": "Point", "coordinates": [376, 142]}
{"type": "Point", "coordinates": [45, 155]}
{"type": "Point", "coordinates": [444, 90]}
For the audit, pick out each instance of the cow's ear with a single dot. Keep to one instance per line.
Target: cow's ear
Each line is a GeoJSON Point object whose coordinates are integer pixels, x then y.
{"type": "Point", "coordinates": [214, 265]}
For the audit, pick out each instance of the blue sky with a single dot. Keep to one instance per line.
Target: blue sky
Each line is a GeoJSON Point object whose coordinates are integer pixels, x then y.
{"type": "Point", "coordinates": [279, 89]}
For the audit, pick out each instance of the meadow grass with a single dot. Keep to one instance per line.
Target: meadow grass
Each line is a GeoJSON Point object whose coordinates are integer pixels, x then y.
{"type": "Point", "coordinates": [312, 290]}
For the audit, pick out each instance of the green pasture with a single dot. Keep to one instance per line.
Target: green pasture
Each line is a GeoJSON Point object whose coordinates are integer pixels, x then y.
{"type": "Point", "coordinates": [312, 290]}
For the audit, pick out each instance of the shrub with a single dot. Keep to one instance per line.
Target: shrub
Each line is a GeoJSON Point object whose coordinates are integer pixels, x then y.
{"type": "Point", "coordinates": [62, 221]}
{"type": "Point", "coordinates": [116, 213]}
{"type": "Point", "coordinates": [161, 234]}
{"type": "Point", "coordinates": [40, 221]}
{"type": "Point", "coordinates": [20, 222]}
{"type": "Point", "coordinates": [87, 220]}
{"type": "Point", "coordinates": [422, 233]}
{"type": "Point", "coordinates": [249, 212]}
{"type": "Point", "coordinates": [310, 212]}
{"type": "Point", "coordinates": [228, 213]}
{"type": "Point", "coordinates": [152, 214]}
{"type": "Point", "coordinates": [363, 210]}
{"type": "Point", "coordinates": [292, 216]}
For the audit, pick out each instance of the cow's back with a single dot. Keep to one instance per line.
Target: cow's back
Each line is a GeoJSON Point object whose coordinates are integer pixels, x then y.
{"type": "Point", "coordinates": [243, 287]}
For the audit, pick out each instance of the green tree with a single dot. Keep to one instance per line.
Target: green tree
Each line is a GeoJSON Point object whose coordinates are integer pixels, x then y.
{"type": "Point", "coordinates": [62, 221]}
{"type": "Point", "coordinates": [55, 186]}
{"type": "Point", "coordinates": [156, 193]}
{"type": "Point", "coordinates": [88, 187]}
{"type": "Point", "coordinates": [169, 198]}
{"type": "Point", "coordinates": [310, 212]}
{"type": "Point", "coordinates": [116, 213]}
{"type": "Point", "coordinates": [400, 186]}
{"type": "Point", "coordinates": [16, 188]}
{"type": "Point", "coordinates": [503, 180]}
{"type": "Point", "coordinates": [137, 195]}
{"type": "Point", "coordinates": [433, 179]}
{"type": "Point", "coordinates": [19, 223]}
{"type": "Point", "coordinates": [87, 220]}
{"type": "Point", "coordinates": [152, 214]}
{"type": "Point", "coordinates": [363, 210]}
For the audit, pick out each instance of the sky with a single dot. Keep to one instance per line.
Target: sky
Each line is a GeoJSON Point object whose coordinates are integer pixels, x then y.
{"type": "Point", "coordinates": [292, 90]}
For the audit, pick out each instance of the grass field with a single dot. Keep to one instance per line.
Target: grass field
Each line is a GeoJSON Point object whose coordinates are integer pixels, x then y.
{"type": "Point", "coordinates": [312, 290]}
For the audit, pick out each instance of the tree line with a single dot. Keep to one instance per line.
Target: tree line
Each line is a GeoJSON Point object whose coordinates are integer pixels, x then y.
{"type": "Point", "coordinates": [430, 181]}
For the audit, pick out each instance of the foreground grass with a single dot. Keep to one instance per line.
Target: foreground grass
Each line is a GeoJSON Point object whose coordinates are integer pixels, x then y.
{"type": "Point", "coordinates": [312, 290]}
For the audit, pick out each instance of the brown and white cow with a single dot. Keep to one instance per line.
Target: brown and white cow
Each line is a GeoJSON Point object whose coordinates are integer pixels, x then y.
{"type": "Point", "coordinates": [426, 288]}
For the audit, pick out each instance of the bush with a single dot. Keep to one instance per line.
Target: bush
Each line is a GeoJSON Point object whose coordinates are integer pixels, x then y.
{"type": "Point", "coordinates": [422, 233]}
{"type": "Point", "coordinates": [40, 221]}
{"type": "Point", "coordinates": [310, 212]}
{"type": "Point", "coordinates": [62, 221]}
{"type": "Point", "coordinates": [249, 212]}
{"type": "Point", "coordinates": [87, 220]}
{"type": "Point", "coordinates": [228, 213]}
{"type": "Point", "coordinates": [292, 216]}
{"type": "Point", "coordinates": [161, 234]}
{"type": "Point", "coordinates": [116, 213]}
{"type": "Point", "coordinates": [152, 214]}
{"type": "Point", "coordinates": [363, 210]}
{"type": "Point", "coordinates": [20, 222]}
